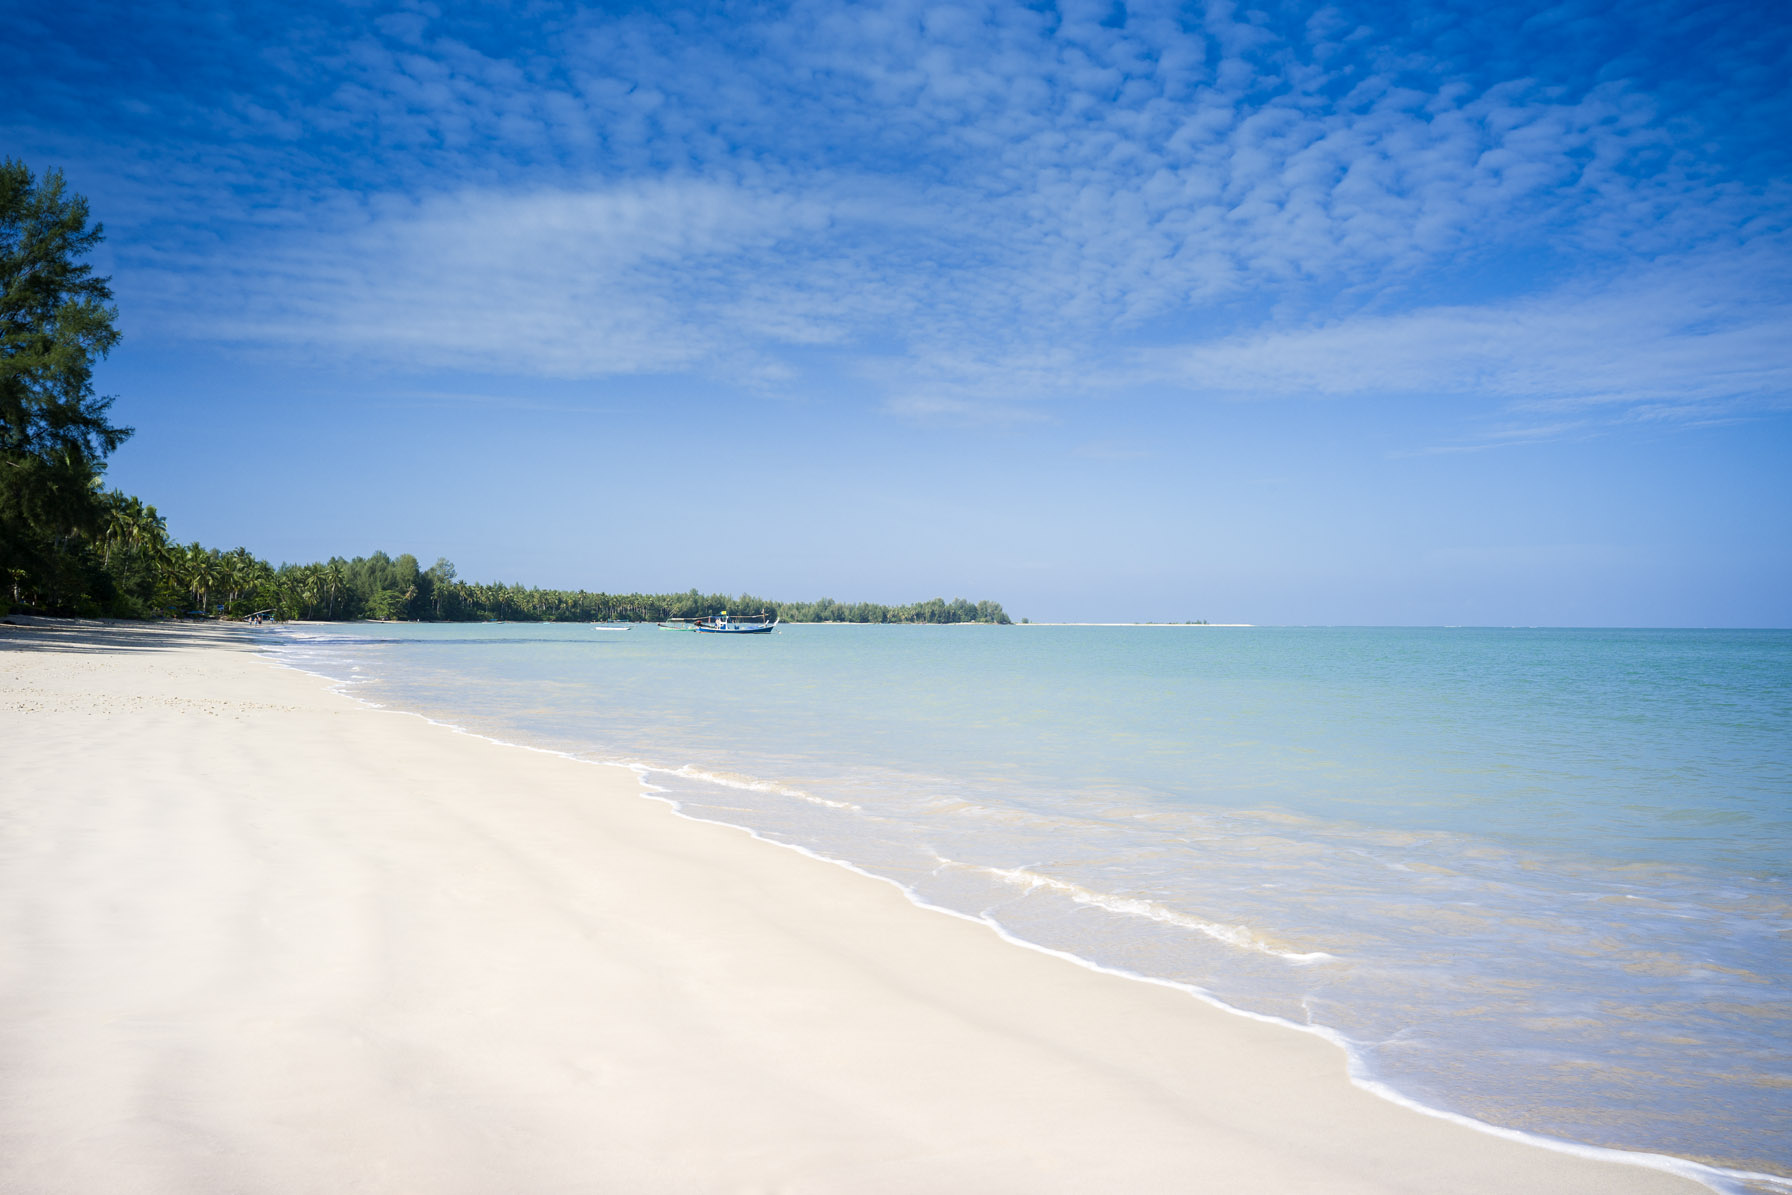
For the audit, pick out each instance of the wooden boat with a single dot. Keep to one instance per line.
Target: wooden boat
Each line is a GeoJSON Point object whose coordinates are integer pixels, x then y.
{"type": "Point", "coordinates": [724, 624]}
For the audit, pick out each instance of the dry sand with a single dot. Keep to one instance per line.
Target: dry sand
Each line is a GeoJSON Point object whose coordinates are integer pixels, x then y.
{"type": "Point", "coordinates": [255, 936]}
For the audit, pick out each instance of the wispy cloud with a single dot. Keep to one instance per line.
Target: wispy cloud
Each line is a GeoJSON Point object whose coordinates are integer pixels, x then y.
{"type": "Point", "coordinates": [964, 209]}
{"type": "Point", "coordinates": [1688, 337]}
{"type": "Point", "coordinates": [1505, 436]}
{"type": "Point", "coordinates": [1109, 450]}
{"type": "Point", "coordinates": [981, 411]}
{"type": "Point", "coordinates": [634, 278]}
{"type": "Point", "coordinates": [503, 402]}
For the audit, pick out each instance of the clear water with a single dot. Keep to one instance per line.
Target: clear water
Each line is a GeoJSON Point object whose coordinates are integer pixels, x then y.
{"type": "Point", "coordinates": [1538, 877]}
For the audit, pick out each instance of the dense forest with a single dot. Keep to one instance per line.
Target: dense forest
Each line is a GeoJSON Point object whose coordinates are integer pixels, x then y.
{"type": "Point", "coordinates": [129, 569]}
{"type": "Point", "coordinates": [69, 545]}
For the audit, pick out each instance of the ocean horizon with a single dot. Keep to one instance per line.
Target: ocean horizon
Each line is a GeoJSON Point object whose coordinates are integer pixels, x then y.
{"type": "Point", "coordinates": [1534, 877]}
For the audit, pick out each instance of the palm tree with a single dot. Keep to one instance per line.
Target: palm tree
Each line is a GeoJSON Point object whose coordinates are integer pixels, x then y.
{"type": "Point", "coordinates": [334, 581]}
{"type": "Point", "coordinates": [311, 578]}
{"type": "Point", "coordinates": [202, 573]}
{"type": "Point", "coordinates": [187, 561]}
{"type": "Point", "coordinates": [152, 528]}
{"type": "Point", "coordinates": [237, 572]}
{"type": "Point", "coordinates": [121, 522]}
{"type": "Point", "coordinates": [164, 557]}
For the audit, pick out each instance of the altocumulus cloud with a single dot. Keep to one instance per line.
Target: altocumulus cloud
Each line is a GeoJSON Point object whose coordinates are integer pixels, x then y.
{"type": "Point", "coordinates": [971, 208]}
{"type": "Point", "coordinates": [631, 278]}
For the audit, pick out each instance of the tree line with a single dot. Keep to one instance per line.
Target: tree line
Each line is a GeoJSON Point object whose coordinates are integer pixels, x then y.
{"type": "Point", "coordinates": [69, 545]}
{"type": "Point", "coordinates": [131, 569]}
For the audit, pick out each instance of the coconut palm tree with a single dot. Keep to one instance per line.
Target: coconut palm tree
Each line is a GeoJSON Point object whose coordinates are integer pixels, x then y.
{"type": "Point", "coordinates": [236, 573]}
{"type": "Point", "coordinates": [202, 572]}
{"type": "Point", "coordinates": [164, 556]}
{"type": "Point", "coordinates": [334, 582]}
{"type": "Point", "coordinates": [311, 587]}
{"type": "Point", "coordinates": [120, 523]}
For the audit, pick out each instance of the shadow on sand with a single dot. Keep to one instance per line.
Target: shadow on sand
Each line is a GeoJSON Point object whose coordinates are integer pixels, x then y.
{"type": "Point", "coordinates": [19, 632]}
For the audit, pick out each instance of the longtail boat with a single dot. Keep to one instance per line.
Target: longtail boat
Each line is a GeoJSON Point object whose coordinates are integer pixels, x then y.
{"type": "Point", "coordinates": [725, 624]}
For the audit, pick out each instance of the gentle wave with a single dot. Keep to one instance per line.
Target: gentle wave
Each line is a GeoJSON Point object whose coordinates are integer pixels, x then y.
{"type": "Point", "coordinates": [748, 784]}
{"type": "Point", "coordinates": [1243, 937]}
{"type": "Point", "coordinates": [1453, 889]}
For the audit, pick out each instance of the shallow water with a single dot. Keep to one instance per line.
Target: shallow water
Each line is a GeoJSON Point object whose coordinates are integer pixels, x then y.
{"type": "Point", "coordinates": [1537, 877]}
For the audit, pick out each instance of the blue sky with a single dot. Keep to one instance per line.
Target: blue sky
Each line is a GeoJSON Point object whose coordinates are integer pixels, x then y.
{"type": "Point", "coordinates": [1421, 313]}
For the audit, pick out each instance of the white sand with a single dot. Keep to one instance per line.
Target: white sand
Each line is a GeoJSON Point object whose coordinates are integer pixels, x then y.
{"type": "Point", "coordinates": [257, 937]}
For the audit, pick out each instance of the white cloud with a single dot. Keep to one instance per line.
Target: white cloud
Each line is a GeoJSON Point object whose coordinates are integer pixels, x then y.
{"type": "Point", "coordinates": [977, 205]}
{"type": "Point", "coordinates": [1686, 337]}
{"type": "Point", "coordinates": [639, 277]}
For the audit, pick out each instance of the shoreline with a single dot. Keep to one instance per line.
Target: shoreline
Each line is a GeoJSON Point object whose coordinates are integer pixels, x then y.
{"type": "Point", "coordinates": [1145, 1053]}
{"type": "Point", "coordinates": [1709, 1176]}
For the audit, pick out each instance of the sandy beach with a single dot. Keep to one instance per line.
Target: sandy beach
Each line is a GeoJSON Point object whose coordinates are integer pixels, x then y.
{"type": "Point", "coordinates": [256, 936]}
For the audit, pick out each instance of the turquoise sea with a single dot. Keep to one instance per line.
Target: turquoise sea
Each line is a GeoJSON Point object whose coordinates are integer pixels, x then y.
{"type": "Point", "coordinates": [1541, 878]}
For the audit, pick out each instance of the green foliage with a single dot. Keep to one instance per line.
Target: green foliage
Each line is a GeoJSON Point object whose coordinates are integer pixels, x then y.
{"type": "Point", "coordinates": [69, 546]}
{"type": "Point", "coordinates": [131, 570]}
{"type": "Point", "coordinates": [379, 586]}
{"type": "Point", "coordinates": [55, 322]}
{"type": "Point", "coordinates": [934, 610]}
